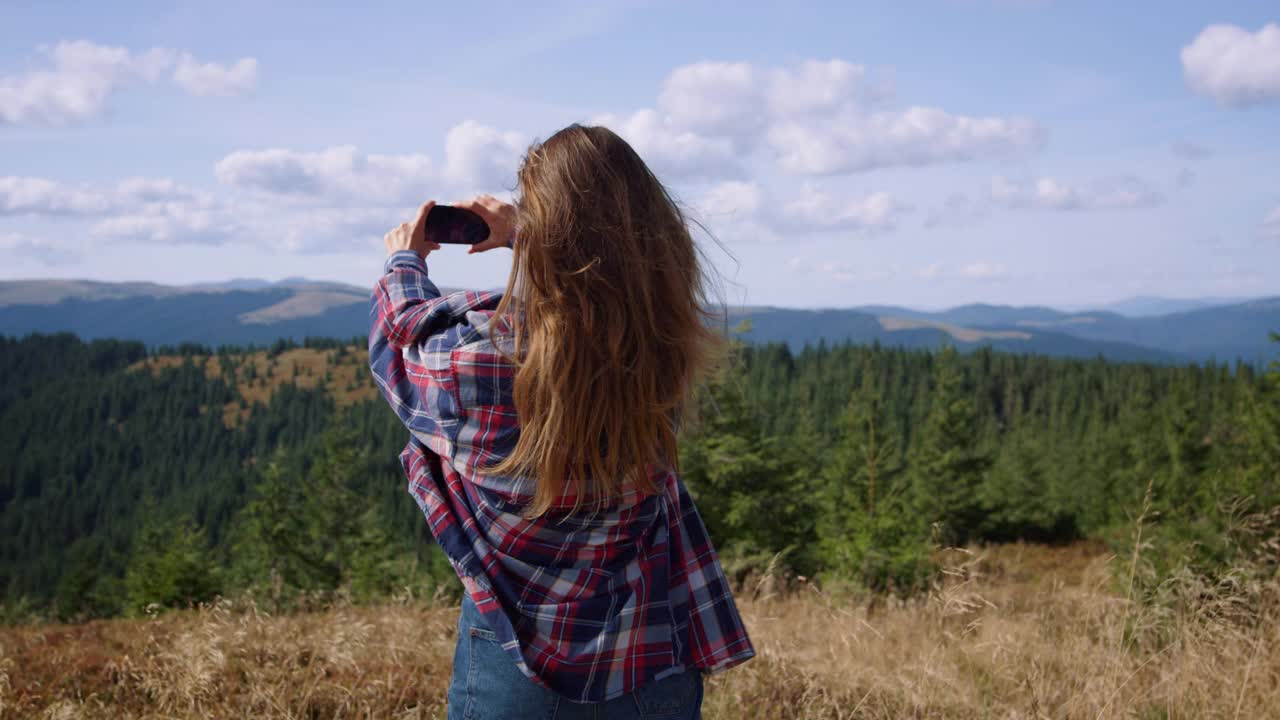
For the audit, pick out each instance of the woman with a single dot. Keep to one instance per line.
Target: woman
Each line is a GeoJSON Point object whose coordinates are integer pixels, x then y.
{"type": "Point", "coordinates": [542, 443]}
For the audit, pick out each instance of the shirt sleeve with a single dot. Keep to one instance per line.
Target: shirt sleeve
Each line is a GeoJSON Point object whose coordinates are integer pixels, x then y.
{"type": "Point", "coordinates": [411, 338]}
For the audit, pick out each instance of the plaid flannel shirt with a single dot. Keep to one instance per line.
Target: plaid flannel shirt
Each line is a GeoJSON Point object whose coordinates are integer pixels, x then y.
{"type": "Point", "coordinates": [590, 604]}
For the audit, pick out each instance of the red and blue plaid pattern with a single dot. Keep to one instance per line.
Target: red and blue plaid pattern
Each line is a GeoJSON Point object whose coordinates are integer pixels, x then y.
{"type": "Point", "coordinates": [590, 604]}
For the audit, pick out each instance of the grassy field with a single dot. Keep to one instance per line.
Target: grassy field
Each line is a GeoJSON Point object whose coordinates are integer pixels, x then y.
{"type": "Point", "coordinates": [1014, 632]}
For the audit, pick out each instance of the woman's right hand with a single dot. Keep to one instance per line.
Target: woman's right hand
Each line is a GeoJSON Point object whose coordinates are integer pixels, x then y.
{"type": "Point", "coordinates": [500, 217]}
{"type": "Point", "coordinates": [412, 235]}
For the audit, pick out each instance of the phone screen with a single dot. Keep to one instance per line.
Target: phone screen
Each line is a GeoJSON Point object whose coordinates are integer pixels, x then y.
{"type": "Point", "coordinates": [449, 225]}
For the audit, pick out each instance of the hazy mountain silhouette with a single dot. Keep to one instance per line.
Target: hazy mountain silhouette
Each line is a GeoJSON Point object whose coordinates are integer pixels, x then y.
{"type": "Point", "coordinates": [246, 310]}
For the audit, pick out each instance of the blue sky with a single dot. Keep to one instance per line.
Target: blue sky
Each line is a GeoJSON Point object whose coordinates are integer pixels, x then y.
{"type": "Point", "coordinates": [918, 153]}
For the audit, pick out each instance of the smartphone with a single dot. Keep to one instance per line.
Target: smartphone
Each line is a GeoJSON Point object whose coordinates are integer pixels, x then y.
{"type": "Point", "coordinates": [449, 225]}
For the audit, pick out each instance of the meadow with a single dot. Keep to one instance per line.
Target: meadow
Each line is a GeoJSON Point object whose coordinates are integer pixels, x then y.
{"type": "Point", "coordinates": [1011, 631]}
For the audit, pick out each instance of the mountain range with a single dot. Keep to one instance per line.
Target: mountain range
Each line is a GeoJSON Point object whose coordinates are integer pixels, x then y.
{"type": "Point", "coordinates": [249, 311]}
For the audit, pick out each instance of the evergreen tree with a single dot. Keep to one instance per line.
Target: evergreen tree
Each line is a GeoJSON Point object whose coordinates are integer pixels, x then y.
{"type": "Point", "coordinates": [270, 547]}
{"type": "Point", "coordinates": [84, 590]}
{"type": "Point", "coordinates": [170, 566]}
{"type": "Point", "coordinates": [1260, 478]}
{"type": "Point", "coordinates": [865, 529]}
{"type": "Point", "coordinates": [312, 536]}
{"type": "Point", "coordinates": [737, 474]}
{"type": "Point", "coordinates": [378, 563]}
{"type": "Point", "coordinates": [1016, 498]}
{"type": "Point", "coordinates": [948, 468]}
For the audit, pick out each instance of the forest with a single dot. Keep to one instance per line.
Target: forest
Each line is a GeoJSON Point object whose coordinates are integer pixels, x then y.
{"type": "Point", "coordinates": [136, 480]}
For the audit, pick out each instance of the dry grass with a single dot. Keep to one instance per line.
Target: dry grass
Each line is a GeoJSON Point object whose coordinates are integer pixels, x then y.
{"type": "Point", "coordinates": [1014, 632]}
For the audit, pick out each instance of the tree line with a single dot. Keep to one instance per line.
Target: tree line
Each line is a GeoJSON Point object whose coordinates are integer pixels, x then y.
{"type": "Point", "coordinates": [123, 490]}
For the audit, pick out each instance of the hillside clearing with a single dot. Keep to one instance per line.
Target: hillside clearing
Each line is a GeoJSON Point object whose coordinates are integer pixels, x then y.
{"type": "Point", "coordinates": [259, 374]}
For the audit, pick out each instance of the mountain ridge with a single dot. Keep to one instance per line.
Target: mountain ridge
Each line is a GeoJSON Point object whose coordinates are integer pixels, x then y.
{"type": "Point", "coordinates": [245, 311]}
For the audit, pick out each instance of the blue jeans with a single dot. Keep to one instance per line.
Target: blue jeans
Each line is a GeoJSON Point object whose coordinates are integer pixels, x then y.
{"type": "Point", "coordinates": [487, 685]}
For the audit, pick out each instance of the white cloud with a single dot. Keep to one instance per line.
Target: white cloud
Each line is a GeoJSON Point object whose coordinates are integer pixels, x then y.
{"type": "Point", "coordinates": [818, 117]}
{"type": "Point", "coordinates": [1233, 66]}
{"type": "Point", "coordinates": [164, 226]}
{"type": "Point", "coordinates": [136, 209]}
{"type": "Point", "coordinates": [334, 199]}
{"type": "Point", "coordinates": [738, 100]}
{"type": "Point", "coordinates": [915, 137]}
{"type": "Point", "coordinates": [717, 98]}
{"type": "Point", "coordinates": [214, 80]}
{"type": "Point", "coordinates": [982, 271]}
{"type": "Point", "coordinates": [480, 158]}
{"type": "Point", "coordinates": [329, 229]}
{"type": "Point", "coordinates": [82, 75]}
{"type": "Point", "coordinates": [970, 271]}
{"type": "Point", "coordinates": [143, 190]}
{"type": "Point", "coordinates": [14, 241]}
{"type": "Point", "coordinates": [266, 221]}
{"type": "Point", "coordinates": [49, 198]}
{"type": "Point", "coordinates": [930, 271]}
{"type": "Point", "coordinates": [41, 249]}
{"type": "Point", "coordinates": [39, 196]}
{"type": "Point", "coordinates": [736, 210]}
{"type": "Point", "coordinates": [477, 159]}
{"type": "Point", "coordinates": [160, 210]}
{"type": "Point", "coordinates": [341, 174]}
{"type": "Point", "coordinates": [733, 211]}
{"type": "Point", "coordinates": [77, 84]}
{"type": "Point", "coordinates": [732, 199]}
{"type": "Point", "coordinates": [673, 152]}
{"type": "Point", "coordinates": [342, 197]}
{"type": "Point", "coordinates": [837, 270]}
{"type": "Point", "coordinates": [826, 87]}
{"type": "Point", "coordinates": [819, 210]}
{"type": "Point", "coordinates": [1048, 193]}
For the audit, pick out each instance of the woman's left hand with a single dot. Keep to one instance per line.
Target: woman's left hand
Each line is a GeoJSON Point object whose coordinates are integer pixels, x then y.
{"type": "Point", "coordinates": [500, 217]}
{"type": "Point", "coordinates": [412, 235]}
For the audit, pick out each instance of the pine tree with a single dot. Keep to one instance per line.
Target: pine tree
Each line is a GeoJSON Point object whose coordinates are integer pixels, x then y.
{"type": "Point", "coordinates": [270, 545]}
{"type": "Point", "coordinates": [1181, 488]}
{"type": "Point", "coordinates": [1016, 496]}
{"type": "Point", "coordinates": [1264, 433]}
{"type": "Point", "coordinates": [947, 467]}
{"type": "Point", "coordinates": [865, 530]}
{"type": "Point", "coordinates": [170, 567]}
{"type": "Point", "coordinates": [738, 479]}
{"type": "Point", "coordinates": [801, 454]}
{"type": "Point", "coordinates": [865, 461]}
{"type": "Point", "coordinates": [301, 536]}
{"type": "Point", "coordinates": [378, 563]}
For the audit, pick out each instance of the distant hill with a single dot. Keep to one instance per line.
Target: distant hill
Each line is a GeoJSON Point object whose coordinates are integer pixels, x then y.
{"type": "Point", "coordinates": [1223, 333]}
{"type": "Point", "coordinates": [232, 317]}
{"type": "Point", "coordinates": [47, 292]}
{"type": "Point", "coordinates": [798, 328]}
{"type": "Point", "coordinates": [237, 312]}
{"type": "Point", "coordinates": [977, 314]}
{"type": "Point", "coordinates": [248, 311]}
{"type": "Point", "coordinates": [1150, 305]}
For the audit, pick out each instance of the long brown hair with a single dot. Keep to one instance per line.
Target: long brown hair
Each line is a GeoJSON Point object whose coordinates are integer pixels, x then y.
{"type": "Point", "coordinates": [607, 305]}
